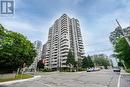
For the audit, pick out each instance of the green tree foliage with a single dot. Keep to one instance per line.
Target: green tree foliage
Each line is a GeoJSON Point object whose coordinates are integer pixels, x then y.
{"type": "Point", "coordinates": [70, 59]}
{"type": "Point", "coordinates": [91, 64]}
{"type": "Point", "coordinates": [40, 64]}
{"type": "Point", "coordinates": [79, 62]}
{"type": "Point", "coordinates": [87, 62]}
{"type": "Point", "coordinates": [120, 64]}
{"type": "Point", "coordinates": [15, 50]}
{"type": "Point", "coordinates": [123, 51]}
{"type": "Point", "coordinates": [2, 32]}
{"type": "Point", "coordinates": [101, 61]}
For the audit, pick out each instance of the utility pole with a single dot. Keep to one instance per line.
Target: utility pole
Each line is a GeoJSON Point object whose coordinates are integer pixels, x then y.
{"type": "Point", "coordinates": [125, 36]}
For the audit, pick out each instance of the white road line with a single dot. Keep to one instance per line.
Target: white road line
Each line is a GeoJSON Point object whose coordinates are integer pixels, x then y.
{"type": "Point", "coordinates": [119, 78]}
{"type": "Point", "coordinates": [48, 85]}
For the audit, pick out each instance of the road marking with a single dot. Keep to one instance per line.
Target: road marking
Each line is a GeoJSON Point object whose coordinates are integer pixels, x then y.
{"type": "Point", "coordinates": [48, 85]}
{"type": "Point", "coordinates": [118, 84]}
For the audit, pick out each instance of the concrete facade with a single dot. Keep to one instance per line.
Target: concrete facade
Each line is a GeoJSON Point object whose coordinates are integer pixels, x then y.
{"type": "Point", "coordinates": [64, 34]}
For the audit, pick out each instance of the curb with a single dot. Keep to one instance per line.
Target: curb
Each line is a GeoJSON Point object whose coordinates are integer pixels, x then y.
{"type": "Point", "coordinates": [125, 73]}
{"type": "Point", "coordinates": [16, 81]}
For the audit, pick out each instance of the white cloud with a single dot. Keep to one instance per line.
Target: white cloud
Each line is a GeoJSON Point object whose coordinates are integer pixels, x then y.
{"type": "Point", "coordinates": [94, 34]}
{"type": "Point", "coordinates": [32, 31]}
{"type": "Point", "coordinates": [17, 25]}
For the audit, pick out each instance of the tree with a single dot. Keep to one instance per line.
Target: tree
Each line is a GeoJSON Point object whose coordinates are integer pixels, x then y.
{"type": "Point", "coordinates": [85, 62]}
{"type": "Point", "coordinates": [79, 63]}
{"type": "Point", "coordinates": [123, 51]}
{"type": "Point", "coordinates": [91, 64]}
{"type": "Point", "coordinates": [101, 60]}
{"type": "Point", "coordinates": [40, 64]}
{"type": "Point", "coordinates": [15, 50]}
{"type": "Point", "coordinates": [70, 59]}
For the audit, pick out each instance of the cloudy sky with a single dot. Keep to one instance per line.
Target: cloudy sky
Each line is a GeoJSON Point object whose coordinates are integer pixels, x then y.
{"type": "Point", "coordinates": [97, 19]}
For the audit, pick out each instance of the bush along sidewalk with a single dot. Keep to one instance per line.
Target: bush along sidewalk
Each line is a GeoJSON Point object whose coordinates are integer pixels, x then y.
{"type": "Point", "coordinates": [128, 70]}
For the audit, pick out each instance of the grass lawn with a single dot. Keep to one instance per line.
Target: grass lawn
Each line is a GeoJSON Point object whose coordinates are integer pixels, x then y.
{"type": "Point", "coordinates": [24, 76]}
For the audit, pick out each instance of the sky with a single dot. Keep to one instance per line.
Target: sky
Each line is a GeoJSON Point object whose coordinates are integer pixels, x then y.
{"type": "Point", "coordinates": [97, 19]}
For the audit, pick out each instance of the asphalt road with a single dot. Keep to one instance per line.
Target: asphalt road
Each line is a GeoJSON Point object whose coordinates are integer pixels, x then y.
{"type": "Point", "coordinates": [103, 78]}
{"type": "Point", "coordinates": [125, 80]}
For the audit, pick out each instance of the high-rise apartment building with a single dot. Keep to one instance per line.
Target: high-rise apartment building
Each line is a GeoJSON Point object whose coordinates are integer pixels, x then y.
{"type": "Point", "coordinates": [64, 35]}
{"type": "Point", "coordinates": [38, 47]}
{"type": "Point", "coordinates": [44, 51]}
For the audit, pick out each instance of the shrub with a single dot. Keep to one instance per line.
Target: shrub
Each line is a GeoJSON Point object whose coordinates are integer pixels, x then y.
{"type": "Point", "coordinates": [64, 69]}
{"type": "Point", "coordinates": [81, 69]}
{"type": "Point", "coordinates": [128, 70]}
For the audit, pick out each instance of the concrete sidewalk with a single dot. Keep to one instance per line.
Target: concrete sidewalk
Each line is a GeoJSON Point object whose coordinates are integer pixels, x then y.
{"type": "Point", "coordinates": [124, 72]}
{"type": "Point", "coordinates": [21, 80]}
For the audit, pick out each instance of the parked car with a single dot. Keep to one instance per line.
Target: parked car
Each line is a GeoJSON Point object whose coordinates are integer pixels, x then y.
{"type": "Point", "coordinates": [116, 69]}
{"type": "Point", "coordinates": [90, 70]}
{"type": "Point", "coordinates": [96, 69]}
{"type": "Point", "coordinates": [93, 69]}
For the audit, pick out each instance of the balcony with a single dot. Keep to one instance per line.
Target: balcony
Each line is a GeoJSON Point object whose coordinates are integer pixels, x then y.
{"type": "Point", "coordinates": [64, 49]}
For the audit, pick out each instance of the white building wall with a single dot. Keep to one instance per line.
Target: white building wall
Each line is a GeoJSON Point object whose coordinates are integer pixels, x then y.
{"type": "Point", "coordinates": [63, 36]}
